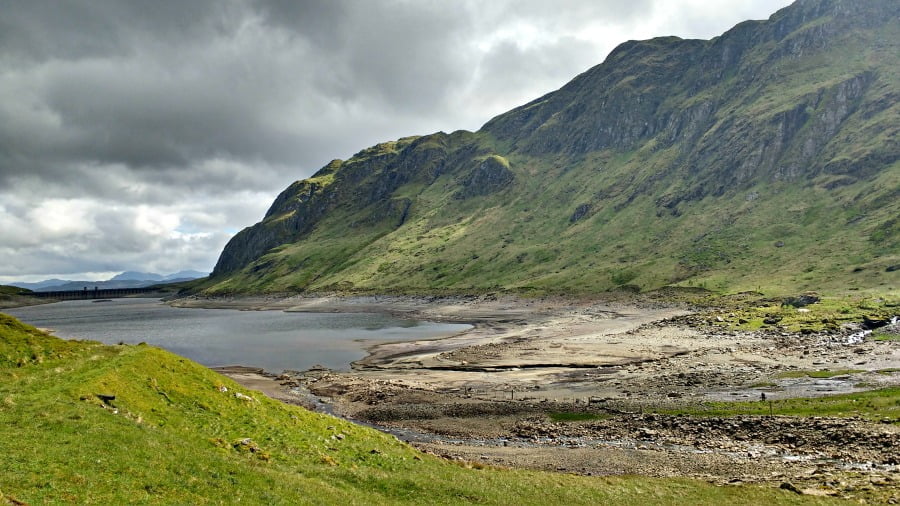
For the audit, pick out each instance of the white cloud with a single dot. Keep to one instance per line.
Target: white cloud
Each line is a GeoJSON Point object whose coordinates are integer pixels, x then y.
{"type": "Point", "coordinates": [59, 218]}
{"type": "Point", "coordinates": [156, 222]}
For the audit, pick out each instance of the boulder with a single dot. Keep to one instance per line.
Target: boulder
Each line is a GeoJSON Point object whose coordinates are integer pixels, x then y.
{"type": "Point", "coordinates": [801, 300]}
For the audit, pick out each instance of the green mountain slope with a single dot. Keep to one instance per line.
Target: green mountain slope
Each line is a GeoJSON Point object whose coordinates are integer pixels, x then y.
{"type": "Point", "coordinates": [766, 158]}
{"type": "Point", "coordinates": [178, 433]}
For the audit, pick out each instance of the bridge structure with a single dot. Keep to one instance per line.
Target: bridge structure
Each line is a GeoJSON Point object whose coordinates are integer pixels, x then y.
{"type": "Point", "coordinates": [95, 293]}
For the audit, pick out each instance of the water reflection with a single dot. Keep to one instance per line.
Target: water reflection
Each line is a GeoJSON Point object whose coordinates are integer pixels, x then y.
{"type": "Point", "coordinates": [273, 340]}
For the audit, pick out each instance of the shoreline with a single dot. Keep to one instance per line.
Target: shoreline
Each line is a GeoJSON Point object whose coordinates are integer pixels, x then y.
{"type": "Point", "coordinates": [564, 347]}
{"type": "Point", "coordinates": [489, 394]}
{"type": "Point", "coordinates": [493, 320]}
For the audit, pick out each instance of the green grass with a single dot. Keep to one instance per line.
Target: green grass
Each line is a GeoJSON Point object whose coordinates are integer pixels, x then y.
{"type": "Point", "coordinates": [175, 435]}
{"type": "Point", "coordinates": [884, 336]}
{"type": "Point", "coordinates": [12, 290]}
{"type": "Point", "coordinates": [874, 405]}
{"type": "Point", "coordinates": [817, 374]}
{"type": "Point", "coordinates": [830, 313]}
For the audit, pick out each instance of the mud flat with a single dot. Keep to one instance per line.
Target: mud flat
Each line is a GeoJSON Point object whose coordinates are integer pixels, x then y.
{"type": "Point", "coordinates": [570, 386]}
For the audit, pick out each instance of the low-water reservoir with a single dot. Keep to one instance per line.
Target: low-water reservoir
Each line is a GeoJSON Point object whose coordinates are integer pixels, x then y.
{"type": "Point", "coordinates": [272, 340]}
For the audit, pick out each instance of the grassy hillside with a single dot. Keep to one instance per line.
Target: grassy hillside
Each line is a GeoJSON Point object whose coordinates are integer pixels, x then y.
{"type": "Point", "coordinates": [764, 159]}
{"type": "Point", "coordinates": [177, 432]}
{"type": "Point", "coordinates": [531, 245]}
{"type": "Point", "coordinates": [13, 296]}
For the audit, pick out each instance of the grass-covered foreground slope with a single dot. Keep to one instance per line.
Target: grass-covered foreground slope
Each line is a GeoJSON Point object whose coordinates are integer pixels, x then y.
{"type": "Point", "coordinates": [765, 159]}
{"type": "Point", "coordinates": [179, 433]}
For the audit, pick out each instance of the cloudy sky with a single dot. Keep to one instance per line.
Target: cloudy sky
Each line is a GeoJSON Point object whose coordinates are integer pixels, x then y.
{"type": "Point", "coordinates": [139, 135]}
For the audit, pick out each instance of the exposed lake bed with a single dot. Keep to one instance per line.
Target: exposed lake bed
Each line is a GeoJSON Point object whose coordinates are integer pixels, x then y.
{"type": "Point", "coordinates": [490, 394]}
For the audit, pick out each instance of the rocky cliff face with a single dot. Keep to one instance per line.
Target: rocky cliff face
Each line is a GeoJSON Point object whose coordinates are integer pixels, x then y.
{"type": "Point", "coordinates": [672, 161]}
{"type": "Point", "coordinates": [689, 94]}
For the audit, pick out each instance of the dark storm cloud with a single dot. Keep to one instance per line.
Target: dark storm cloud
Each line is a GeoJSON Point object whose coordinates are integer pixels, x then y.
{"type": "Point", "coordinates": [138, 85]}
{"type": "Point", "coordinates": [322, 22]}
{"type": "Point", "coordinates": [140, 134]}
{"type": "Point", "coordinates": [508, 66]}
{"type": "Point", "coordinates": [563, 14]}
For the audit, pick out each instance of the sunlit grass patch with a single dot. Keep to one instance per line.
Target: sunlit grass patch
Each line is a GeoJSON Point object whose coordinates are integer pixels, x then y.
{"type": "Point", "coordinates": [884, 336]}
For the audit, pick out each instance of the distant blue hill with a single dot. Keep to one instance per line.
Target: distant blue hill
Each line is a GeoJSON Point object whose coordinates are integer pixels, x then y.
{"type": "Point", "coordinates": [188, 274]}
{"type": "Point", "coordinates": [128, 279]}
{"type": "Point", "coordinates": [38, 286]}
{"type": "Point", "coordinates": [137, 276]}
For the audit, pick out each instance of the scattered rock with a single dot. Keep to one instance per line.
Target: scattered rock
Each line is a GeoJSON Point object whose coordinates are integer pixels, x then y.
{"type": "Point", "coordinates": [870, 323]}
{"type": "Point", "coordinates": [246, 444]}
{"type": "Point", "coordinates": [489, 176]}
{"type": "Point", "coordinates": [646, 433]}
{"type": "Point", "coordinates": [801, 300]}
{"type": "Point", "coordinates": [580, 212]}
{"type": "Point", "coordinates": [787, 486]}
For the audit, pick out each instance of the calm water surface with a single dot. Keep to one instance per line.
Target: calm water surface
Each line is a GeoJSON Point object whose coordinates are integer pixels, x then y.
{"type": "Point", "coordinates": [273, 340]}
